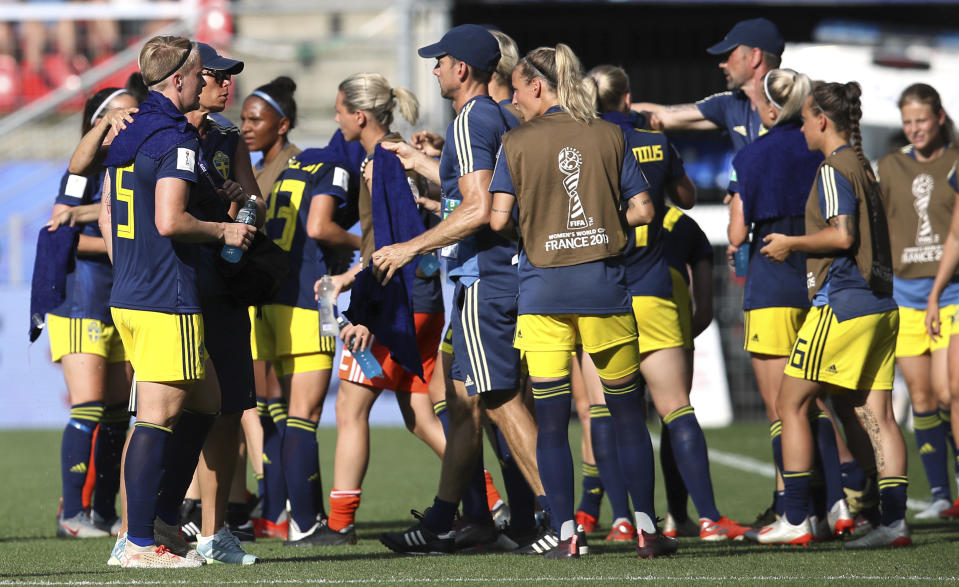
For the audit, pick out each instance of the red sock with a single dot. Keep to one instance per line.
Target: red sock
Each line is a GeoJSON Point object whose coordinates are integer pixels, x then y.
{"type": "Point", "coordinates": [492, 496]}
{"type": "Point", "coordinates": [343, 504]}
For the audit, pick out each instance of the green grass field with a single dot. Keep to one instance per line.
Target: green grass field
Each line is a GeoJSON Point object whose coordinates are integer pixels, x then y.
{"type": "Point", "coordinates": [403, 475]}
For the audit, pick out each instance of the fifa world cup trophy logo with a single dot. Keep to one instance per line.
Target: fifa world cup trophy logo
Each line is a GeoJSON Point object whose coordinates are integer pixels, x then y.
{"type": "Point", "coordinates": [922, 192]}
{"type": "Point", "coordinates": [570, 160]}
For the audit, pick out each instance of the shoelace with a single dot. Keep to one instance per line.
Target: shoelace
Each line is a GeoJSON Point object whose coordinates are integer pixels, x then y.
{"type": "Point", "coordinates": [161, 550]}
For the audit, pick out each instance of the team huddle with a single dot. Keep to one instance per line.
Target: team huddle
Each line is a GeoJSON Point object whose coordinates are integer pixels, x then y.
{"type": "Point", "coordinates": [555, 202]}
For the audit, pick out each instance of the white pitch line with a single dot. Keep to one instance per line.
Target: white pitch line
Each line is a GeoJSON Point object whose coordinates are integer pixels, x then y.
{"type": "Point", "coordinates": [470, 580]}
{"type": "Point", "coordinates": [764, 469]}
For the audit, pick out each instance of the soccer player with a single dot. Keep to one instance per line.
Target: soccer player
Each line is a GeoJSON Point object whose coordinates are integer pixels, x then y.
{"type": "Point", "coordinates": [268, 116]}
{"type": "Point", "coordinates": [846, 345]}
{"type": "Point", "coordinates": [85, 343]}
{"type": "Point", "coordinates": [919, 201]}
{"type": "Point", "coordinates": [486, 367]}
{"type": "Point", "coordinates": [155, 302]}
{"type": "Point", "coordinates": [773, 175]}
{"type": "Point", "coordinates": [568, 246]}
{"type": "Point", "coordinates": [750, 50]}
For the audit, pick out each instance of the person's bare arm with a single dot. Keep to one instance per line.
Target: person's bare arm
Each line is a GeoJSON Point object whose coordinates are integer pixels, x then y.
{"type": "Point", "coordinates": [947, 270]}
{"type": "Point", "coordinates": [737, 231]}
{"type": "Point", "coordinates": [472, 214]}
{"type": "Point", "coordinates": [501, 217]}
{"type": "Point", "coordinates": [640, 210]}
{"type": "Point", "coordinates": [839, 236]}
{"type": "Point", "coordinates": [243, 175]}
{"type": "Point", "coordinates": [92, 148]}
{"type": "Point", "coordinates": [104, 220]}
{"type": "Point", "coordinates": [701, 287]}
{"type": "Point", "coordinates": [674, 117]}
{"type": "Point", "coordinates": [174, 222]}
{"type": "Point", "coordinates": [321, 227]}
{"type": "Point", "coordinates": [414, 160]}
{"type": "Point", "coordinates": [64, 215]}
{"type": "Point", "coordinates": [682, 192]}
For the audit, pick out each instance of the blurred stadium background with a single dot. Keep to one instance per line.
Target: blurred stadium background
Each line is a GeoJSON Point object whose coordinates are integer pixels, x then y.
{"type": "Point", "coordinates": [54, 54]}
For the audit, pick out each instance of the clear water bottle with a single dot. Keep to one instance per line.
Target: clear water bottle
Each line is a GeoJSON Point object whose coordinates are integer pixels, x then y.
{"type": "Point", "coordinates": [368, 363]}
{"type": "Point", "coordinates": [246, 215]}
{"type": "Point", "coordinates": [326, 305]}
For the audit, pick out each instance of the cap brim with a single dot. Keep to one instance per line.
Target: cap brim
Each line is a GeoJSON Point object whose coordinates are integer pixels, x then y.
{"type": "Point", "coordinates": [431, 51]}
{"type": "Point", "coordinates": [230, 66]}
{"type": "Point", "coordinates": [724, 46]}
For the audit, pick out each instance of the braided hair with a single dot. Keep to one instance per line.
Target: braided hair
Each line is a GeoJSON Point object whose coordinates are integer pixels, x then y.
{"type": "Point", "coordinates": [842, 105]}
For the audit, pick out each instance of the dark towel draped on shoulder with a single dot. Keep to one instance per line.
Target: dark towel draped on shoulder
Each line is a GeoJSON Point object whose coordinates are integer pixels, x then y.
{"type": "Point", "coordinates": [155, 129]}
{"type": "Point", "coordinates": [388, 310]}
{"type": "Point", "coordinates": [55, 258]}
{"type": "Point", "coordinates": [775, 173]}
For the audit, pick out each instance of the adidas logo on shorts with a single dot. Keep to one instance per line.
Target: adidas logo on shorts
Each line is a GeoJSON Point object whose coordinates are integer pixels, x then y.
{"type": "Point", "coordinates": [469, 381]}
{"type": "Point", "coordinates": [927, 449]}
{"type": "Point", "coordinates": [755, 338]}
{"type": "Point", "coordinates": [831, 369]}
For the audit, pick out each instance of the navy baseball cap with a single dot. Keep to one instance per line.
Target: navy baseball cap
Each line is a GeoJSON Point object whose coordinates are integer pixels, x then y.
{"type": "Point", "coordinates": [216, 62]}
{"type": "Point", "coordinates": [755, 32]}
{"type": "Point", "coordinates": [467, 42]}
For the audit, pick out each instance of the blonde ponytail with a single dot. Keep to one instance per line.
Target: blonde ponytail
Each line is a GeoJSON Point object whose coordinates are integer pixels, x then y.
{"type": "Point", "coordinates": [371, 93]}
{"type": "Point", "coordinates": [561, 70]}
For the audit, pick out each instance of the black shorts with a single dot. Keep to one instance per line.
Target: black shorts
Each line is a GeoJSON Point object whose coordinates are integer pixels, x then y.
{"type": "Point", "coordinates": [226, 325]}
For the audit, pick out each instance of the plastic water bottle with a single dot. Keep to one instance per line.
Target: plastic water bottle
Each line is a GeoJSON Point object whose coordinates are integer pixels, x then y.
{"type": "Point", "coordinates": [247, 215]}
{"type": "Point", "coordinates": [326, 304]}
{"type": "Point", "coordinates": [368, 363]}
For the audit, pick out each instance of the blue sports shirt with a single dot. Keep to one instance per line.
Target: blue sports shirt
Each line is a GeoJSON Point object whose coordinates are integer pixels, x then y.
{"type": "Point", "coordinates": [734, 113]}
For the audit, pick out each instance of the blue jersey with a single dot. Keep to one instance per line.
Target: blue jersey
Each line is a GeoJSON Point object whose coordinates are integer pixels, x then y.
{"type": "Point", "coordinates": [647, 273]}
{"type": "Point", "coordinates": [596, 287]}
{"type": "Point", "coordinates": [734, 113]}
{"type": "Point", "coordinates": [152, 272]}
{"type": "Point", "coordinates": [88, 285]}
{"type": "Point", "coordinates": [293, 193]}
{"type": "Point", "coordinates": [845, 289]}
{"type": "Point", "coordinates": [684, 242]}
{"type": "Point", "coordinates": [472, 141]}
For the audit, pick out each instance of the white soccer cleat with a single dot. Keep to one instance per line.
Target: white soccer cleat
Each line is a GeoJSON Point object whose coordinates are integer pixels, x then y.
{"type": "Point", "coordinates": [79, 526]}
{"type": "Point", "coordinates": [840, 520]}
{"type": "Point", "coordinates": [155, 556]}
{"type": "Point", "coordinates": [686, 529]}
{"type": "Point", "coordinates": [225, 548]}
{"type": "Point", "coordinates": [294, 533]}
{"type": "Point", "coordinates": [933, 510]}
{"type": "Point", "coordinates": [116, 555]}
{"type": "Point", "coordinates": [896, 534]}
{"type": "Point", "coordinates": [170, 536]}
{"type": "Point", "coordinates": [782, 532]}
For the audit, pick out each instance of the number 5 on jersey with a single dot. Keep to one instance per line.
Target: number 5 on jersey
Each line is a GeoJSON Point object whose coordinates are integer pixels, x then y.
{"type": "Point", "coordinates": [124, 195]}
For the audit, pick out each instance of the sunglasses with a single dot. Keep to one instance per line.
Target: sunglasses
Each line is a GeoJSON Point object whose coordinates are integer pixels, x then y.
{"type": "Point", "coordinates": [218, 76]}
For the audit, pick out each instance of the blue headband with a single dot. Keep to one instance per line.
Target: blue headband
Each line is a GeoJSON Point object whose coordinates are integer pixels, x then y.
{"type": "Point", "coordinates": [269, 100]}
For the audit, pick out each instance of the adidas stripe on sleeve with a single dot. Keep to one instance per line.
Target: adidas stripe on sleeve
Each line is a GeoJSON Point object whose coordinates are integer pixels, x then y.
{"type": "Point", "coordinates": [836, 196]}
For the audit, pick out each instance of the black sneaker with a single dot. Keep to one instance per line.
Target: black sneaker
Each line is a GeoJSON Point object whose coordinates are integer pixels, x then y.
{"type": "Point", "coordinates": [244, 532]}
{"type": "Point", "coordinates": [191, 519]}
{"type": "Point", "coordinates": [654, 545]}
{"type": "Point", "coordinates": [764, 519]}
{"type": "Point", "coordinates": [548, 541]}
{"type": "Point", "coordinates": [511, 539]}
{"type": "Point", "coordinates": [419, 539]}
{"type": "Point", "coordinates": [475, 534]}
{"type": "Point", "coordinates": [323, 535]}
{"type": "Point", "coordinates": [568, 548]}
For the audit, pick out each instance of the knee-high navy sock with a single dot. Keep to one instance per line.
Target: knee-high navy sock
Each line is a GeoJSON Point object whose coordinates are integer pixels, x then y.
{"type": "Point", "coordinates": [261, 413]}
{"type": "Point", "coordinates": [634, 448]}
{"type": "Point", "coordinates": [689, 448]}
{"type": "Point", "coordinates": [931, 440]}
{"type": "Point", "coordinates": [852, 476]}
{"type": "Point", "coordinates": [75, 454]}
{"type": "Point", "coordinates": [274, 481]}
{"type": "Point", "coordinates": [828, 454]}
{"type": "Point", "coordinates": [301, 465]}
{"type": "Point", "coordinates": [142, 476]}
{"type": "Point", "coordinates": [946, 417]}
{"type": "Point", "coordinates": [443, 414]}
{"type": "Point", "coordinates": [592, 494]}
{"type": "Point", "coordinates": [817, 493]}
{"type": "Point", "coordinates": [779, 502]}
{"type": "Point", "coordinates": [776, 438]}
{"type": "Point", "coordinates": [676, 494]}
{"type": "Point", "coordinates": [553, 408]}
{"type": "Point", "coordinates": [602, 431]}
{"type": "Point", "coordinates": [796, 499]}
{"type": "Point", "coordinates": [107, 454]}
{"type": "Point", "coordinates": [892, 497]}
{"type": "Point", "coordinates": [475, 505]}
{"type": "Point", "coordinates": [180, 461]}
{"type": "Point", "coordinates": [522, 502]}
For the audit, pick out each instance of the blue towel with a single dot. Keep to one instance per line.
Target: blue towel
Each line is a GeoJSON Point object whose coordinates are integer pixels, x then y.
{"type": "Point", "coordinates": [56, 256]}
{"type": "Point", "coordinates": [159, 121]}
{"type": "Point", "coordinates": [775, 173]}
{"type": "Point", "coordinates": [626, 121]}
{"type": "Point", "coordinates": [388, 310]}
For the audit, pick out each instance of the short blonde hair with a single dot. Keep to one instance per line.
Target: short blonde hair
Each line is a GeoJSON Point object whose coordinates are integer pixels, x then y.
{"type": "Point", "coordinates": [371, 92]}
{"type": "Point", "coordinates": [164, 56]}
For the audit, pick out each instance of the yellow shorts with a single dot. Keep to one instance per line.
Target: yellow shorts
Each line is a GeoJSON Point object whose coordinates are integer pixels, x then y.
{"type": "Point", "coordinates": [290, 364]}
{"type": "Point", "coordinates": [286, 331]}
{"type": "Point", "coordinates": [772, 331]}
{"type": "Point", "coordinates": [914, 339]}
{"type": "Point", "coordinates": [83, 335]}
{"type": "Point", "coordinates": [657, 321]}
{"type": "Point", "coordinates": [684, 304]}
{"type": "Point", "coordinates": [447, 345]}
{"type": "Point", "coordinates": [547, 341]}
{"type": "Point", "coordinates": [858, 353]}
{"type": "Point", "coordinates": [163, 348]}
